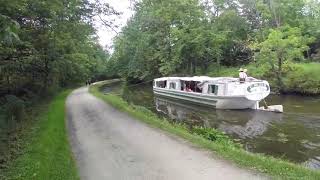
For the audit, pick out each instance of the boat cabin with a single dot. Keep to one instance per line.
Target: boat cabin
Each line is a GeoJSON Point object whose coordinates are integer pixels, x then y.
{"type": "Point", "coordinates": [193, 85]}
{"type": "Point", "coordinates": [220, 92]}
{"type": "Point", "coordinates": [221, 86]}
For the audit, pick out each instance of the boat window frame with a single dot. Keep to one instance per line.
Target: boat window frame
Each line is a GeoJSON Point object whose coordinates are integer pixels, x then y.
{"type": "Point", "coordinates": [216, 89]}
{"type": "Point", "coordinates": [161, 84]}
{"type": "Point", "coordinates": [175, 85]}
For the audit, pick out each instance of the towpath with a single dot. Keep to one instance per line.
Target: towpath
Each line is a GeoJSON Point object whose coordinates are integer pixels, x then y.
{"type": "Point", "coordinates": [109, 144]}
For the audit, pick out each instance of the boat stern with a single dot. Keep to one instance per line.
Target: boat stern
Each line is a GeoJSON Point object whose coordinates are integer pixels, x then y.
{"type": "Point", "coordinates": [256, 91]}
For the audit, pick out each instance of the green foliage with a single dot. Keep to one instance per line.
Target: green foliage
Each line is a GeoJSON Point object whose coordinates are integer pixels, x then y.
{"type": "Point", "coordinates": [178, 36]}
{"type": "Point", "coordinates": [303, 78]}
{"type": "Point", "coordinates": [47, 154]}
{"type": "Point", "coordinates": [47, 44]}
{"type": "Point", "coordinates": [3, 137]}
{"type": "Point", "coordinates": [191, 37]}
{"type": "Point", "coordinates": [285, 43]}
{"type": "Point", "coordinates": [8, 30]}
{"type": "Point", "coordinates": [282, 45]}
{"type": "Point", "coordinates": [44, 46]}
{"type": "Point", "coordinates": [216, 71]}
{"type": "Point", "coordinates": [15, 108]}
{"type": "Point", "coordinates": [210, 134]}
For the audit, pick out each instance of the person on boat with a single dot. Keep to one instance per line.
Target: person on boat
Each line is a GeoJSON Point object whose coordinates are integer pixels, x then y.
{"type": "Point", "coordinates": [188, 89]}
{"type": "Point", "coordinates": [242, 75]}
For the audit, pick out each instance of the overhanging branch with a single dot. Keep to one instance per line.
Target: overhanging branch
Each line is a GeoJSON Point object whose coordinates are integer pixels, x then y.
{"type": "Point", "coordinates": [107, 24]}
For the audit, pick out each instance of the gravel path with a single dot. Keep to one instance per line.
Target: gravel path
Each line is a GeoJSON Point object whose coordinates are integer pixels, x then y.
{"type": "Point", "coordinates": [109, 144]}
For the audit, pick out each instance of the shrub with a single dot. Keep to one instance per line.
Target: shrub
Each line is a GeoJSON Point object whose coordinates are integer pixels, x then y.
{"type": "Point", "coordinates": [213, 135]}
{"type": "Point", "coordinates": [216, 71]}
{"type": "Point", "coordinates": [15, 108]}
{"type": "Point", "coordinates": [303, 78]}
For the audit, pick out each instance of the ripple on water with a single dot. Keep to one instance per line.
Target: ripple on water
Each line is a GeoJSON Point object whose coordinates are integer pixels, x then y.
{"type": "Point", "coordinates": [313, 163]}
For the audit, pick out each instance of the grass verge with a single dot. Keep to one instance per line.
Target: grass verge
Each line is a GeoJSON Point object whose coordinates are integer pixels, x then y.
{"type": "Point", "coordinates": [276, 168]}
{"type": "Point", "coordinates": [47, 154]}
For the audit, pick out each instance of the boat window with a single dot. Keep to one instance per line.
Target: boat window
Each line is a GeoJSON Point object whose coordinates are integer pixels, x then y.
{"type": "Point", "coordinates": [172, 85]}
{"type": "Point", "coordinates": [213, 89]}
{"type": "Point", "coordinates": [161, 84]}
{"type": "Point", "coordinates": [192, 86]}
{"type": "Point", "coordinates": [183, 85]}
{"type": "Point", "coordinates": [198, 87]}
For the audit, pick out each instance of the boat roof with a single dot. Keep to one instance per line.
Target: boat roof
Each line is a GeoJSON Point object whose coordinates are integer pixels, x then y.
{"type": "Point", "coordinates": [199, 78]}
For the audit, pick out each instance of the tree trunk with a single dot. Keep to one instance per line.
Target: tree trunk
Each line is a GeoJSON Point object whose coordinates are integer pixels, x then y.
{"type": "Point", "coordinates": [276, 17]}
{"type": "Point", "coordinates": [46, 76]}
{"type": "Point", "coordinates": [194, 68]}
{"type": "Point", "coordinates": [279, 74]}
{"type": "Point", "coordinates": [8, 84]}
{"type": "Point", "coordinates": [189, 66]}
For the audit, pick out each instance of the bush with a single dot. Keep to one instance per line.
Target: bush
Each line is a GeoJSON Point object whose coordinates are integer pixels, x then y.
{"type": "Point", "coordinates": [303, 78]}
{"type": "Point", "coordinates": [15, 108]}
{"type": "Point", "coordinates": [217, 71]}
{"type": "Point", "coordinates": [213, 135]}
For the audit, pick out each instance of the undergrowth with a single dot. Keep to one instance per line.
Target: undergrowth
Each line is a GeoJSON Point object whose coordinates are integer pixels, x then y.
{"type": "Point", "coordinates": [46, 151]}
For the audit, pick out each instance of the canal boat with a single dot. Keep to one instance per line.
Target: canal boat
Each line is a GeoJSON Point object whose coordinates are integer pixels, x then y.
{"type": "Point", "coordinates": [219, 92]}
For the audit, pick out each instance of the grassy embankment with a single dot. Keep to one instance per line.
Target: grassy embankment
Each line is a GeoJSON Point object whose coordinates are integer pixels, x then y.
{"type": "Point", "coordinates": [301, 78]}
{"type": "Point", "coordinates": [46, 152]}
{"type": "Point", "coordinates": [212, 140]}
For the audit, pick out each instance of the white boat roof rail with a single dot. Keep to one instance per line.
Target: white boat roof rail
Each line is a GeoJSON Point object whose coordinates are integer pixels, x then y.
{"type": "Point", "coordinates": [206, 78]}
{"type": "Point", "coordinates": [198, 78]}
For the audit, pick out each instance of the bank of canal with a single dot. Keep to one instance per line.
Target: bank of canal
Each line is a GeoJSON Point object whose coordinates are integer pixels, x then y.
{"type": "Point", "coordinates": [293, 135]}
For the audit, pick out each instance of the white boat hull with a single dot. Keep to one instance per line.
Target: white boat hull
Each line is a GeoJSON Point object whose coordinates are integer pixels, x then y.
{"type": "Point", "coordinates": [219, 102]}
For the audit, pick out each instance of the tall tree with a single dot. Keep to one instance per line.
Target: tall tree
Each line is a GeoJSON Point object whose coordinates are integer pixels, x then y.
{"type": "Point", "coordinates": [45, 44]}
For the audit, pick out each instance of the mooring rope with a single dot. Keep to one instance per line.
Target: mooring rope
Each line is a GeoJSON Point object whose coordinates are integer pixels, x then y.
{"type": "Point", "coordinates": [265, 104]}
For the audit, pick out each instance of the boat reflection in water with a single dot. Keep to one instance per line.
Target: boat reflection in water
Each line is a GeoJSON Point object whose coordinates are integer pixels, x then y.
{"type": "Point", "coordinates": [258, 131]}
{"type": "Point", "coordinates": [250, 124]}
{"type": "Point", "coordinates": [242, 123]}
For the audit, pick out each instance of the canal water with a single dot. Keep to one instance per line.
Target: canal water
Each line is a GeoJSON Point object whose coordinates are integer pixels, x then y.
{"type": "Point", "coordinates": [293, 135]}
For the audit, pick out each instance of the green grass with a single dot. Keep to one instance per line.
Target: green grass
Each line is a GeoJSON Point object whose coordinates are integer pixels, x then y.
{"type": "Point", "coordinates": [273, 167]}
{"type": "Point", "coordinates": [303, 78]}
{"type": "Point", "coordinates": [47, 153]}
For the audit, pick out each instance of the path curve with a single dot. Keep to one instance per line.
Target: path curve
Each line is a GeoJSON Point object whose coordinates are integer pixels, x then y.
{"type": "Point", "coordinates": [109, 144]}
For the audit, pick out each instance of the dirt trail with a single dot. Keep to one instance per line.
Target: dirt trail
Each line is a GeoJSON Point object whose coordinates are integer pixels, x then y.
{"type": "Point", "coordinates": [109, 144]}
